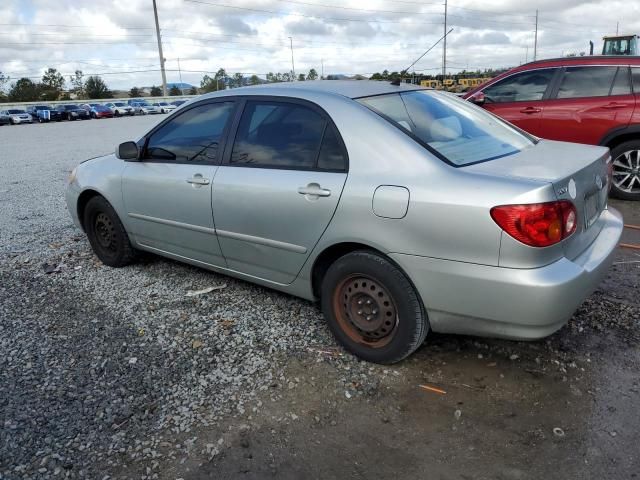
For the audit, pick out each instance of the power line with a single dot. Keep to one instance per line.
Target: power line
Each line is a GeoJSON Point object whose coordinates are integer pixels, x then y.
{"type": "Point", "coordinates": [317, 17]}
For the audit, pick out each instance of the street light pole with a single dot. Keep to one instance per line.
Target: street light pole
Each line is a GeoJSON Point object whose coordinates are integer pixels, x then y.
{"type": "Point", "coordinates": [164, 76]}
{"type": "Point", "coordinates": [293, 66]}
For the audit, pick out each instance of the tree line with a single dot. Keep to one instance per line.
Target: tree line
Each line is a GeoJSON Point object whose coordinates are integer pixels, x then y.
{"type": "Point", "coordinates": [52, 85]}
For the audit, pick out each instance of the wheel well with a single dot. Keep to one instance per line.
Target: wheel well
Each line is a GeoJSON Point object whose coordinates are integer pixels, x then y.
{"type": "Point", "coordinates": [83, 199]}
{"type": "Point", "coordinates": [625, 137]}
{"type": "Point", "coordinates": [330, 255]}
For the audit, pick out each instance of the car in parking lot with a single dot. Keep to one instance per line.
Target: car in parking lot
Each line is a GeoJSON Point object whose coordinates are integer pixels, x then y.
{"type": "Point", "coordinates": [43, 113]}
{"type": "Point", "coordinates": [73, 112]}
{"type": "Point", "coordinates": [4, 118]}
{"type": "Point", "coordinates": [143, 108]}
{"type": "Point", "coordinates": [97, 110]}
{"type": "Point", "coordinates": [120, 108]}
{"type": "Point", "coordinates": [17, 116]}
{"type": "Point", "coordinates": [593, 100]}
{"type": "Point", "coordinates": [401, 209]}
{"type": "Point", "coordinates": [164, 107]}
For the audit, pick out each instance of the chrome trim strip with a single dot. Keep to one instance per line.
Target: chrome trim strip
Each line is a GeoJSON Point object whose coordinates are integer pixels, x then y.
{"type": "Point", "coordinates": [172, 223]}
{"type": "Point", "coordinates": [262, 241]}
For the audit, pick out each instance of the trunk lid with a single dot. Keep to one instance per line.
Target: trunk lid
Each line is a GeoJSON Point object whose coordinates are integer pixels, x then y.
{"type": "Point", "coordinates": [578, 173]}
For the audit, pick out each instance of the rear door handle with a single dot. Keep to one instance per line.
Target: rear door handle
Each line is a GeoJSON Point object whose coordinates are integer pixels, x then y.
{"type": "Point", "coordinates": [613, 106]}
{"type": "Point", "coordinates": [314, 190]}
{"type": "Point", "coordinates": [198, 179]}
{"type": "Point", "coordinates": [531, 110]}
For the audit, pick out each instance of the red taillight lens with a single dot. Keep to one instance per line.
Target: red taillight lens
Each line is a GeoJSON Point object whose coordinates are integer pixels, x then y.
{"type": "Point", "coordinates": [537, 224]}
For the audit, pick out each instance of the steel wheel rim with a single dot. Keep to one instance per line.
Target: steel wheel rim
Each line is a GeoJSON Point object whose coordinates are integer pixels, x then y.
{"type": "Point", "coordinates": [626, 171]}
{"type": "Point", "coordinates": [365, 310]}
{"type": "Point", "coordinates": [105, 232]}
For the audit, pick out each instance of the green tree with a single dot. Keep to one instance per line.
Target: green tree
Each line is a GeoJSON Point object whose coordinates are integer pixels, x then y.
{"type": "Point", "coordinates": [65, 96]}
{"type": "Point", "coordinates": [134, 92]}
{"type": "Point", "coordinates": [24, 90]}
{"type": "Point", "coordinates": [254, 80]}
{"type": "Point", "coordinates": [95, 87]}
{"type": "Point", "coordinates": [77, 84]}
{"type": "Point", "coordinates": [208, 84]}
{"type": "Point", "coordinates": [376, 76]}
{"type": "Point", "coordinates": [51, 84]}
{"type": "Point", "coordinates": [302, 77]}
{"type": "Point", "coordinates": [312, 75]}
{"type": "Point", "coordinates": [174, 91]}
{"type": "Point", "coordinates": [193, 91]}
{"type": "Point", "coordinates": [155, 91]}
{"type": "Point", "coordinates": [237, 80]}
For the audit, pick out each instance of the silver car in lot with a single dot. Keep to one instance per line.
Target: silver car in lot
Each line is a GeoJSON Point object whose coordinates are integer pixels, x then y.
{"type": "Point", "coordinates": [401, 209]}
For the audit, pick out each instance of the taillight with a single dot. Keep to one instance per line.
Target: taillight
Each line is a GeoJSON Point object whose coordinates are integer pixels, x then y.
{"type": "Point", "coordinates": [537, 224]}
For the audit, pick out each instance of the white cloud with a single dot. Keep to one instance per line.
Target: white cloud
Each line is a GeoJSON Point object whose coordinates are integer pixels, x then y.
{"type": "Point", "coordinates": [111, 36]}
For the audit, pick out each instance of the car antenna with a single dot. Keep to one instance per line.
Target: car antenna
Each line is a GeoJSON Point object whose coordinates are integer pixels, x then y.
{"type": "Point", "coordinates": [396, 81]}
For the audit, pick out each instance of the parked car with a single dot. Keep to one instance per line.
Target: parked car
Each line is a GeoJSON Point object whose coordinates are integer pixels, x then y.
{"type": "Point", "coordinates": [43, 113]}
{"type": "Point", "coordinates": [144, 108]}
{"type": "Point", "coordinates": [4, 118]}
{"type": "Point", "coordinates": [164, 107]}
{"type": "Point", "coordinates": [402, 209]}
{"type": "Point", "coordinates": [17, 116]}
{"type": "Point", "coordinates": [97, 110]}
{"type": "Point", "coordinates": [73, 112]}
{"type": "Point", "coordinates": [120, 108]}
{"type": "Point", "coordinates": [593, 100]}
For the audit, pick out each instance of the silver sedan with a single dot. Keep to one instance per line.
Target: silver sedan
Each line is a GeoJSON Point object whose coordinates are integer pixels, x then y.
{"type": "Point", "coordinates": [401, 209]}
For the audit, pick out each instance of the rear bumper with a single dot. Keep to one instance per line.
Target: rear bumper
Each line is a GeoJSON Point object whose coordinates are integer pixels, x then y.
{"type": "Point", "coordinates": [507, 302]}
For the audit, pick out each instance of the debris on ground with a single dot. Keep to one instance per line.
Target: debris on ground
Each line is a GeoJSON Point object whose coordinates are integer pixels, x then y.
{"type": "Point", "coordinates": [195, 293]}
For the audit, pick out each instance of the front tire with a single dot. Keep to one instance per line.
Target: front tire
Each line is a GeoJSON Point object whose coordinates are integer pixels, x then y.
{"type": "Point", "coordinates": [106, 234]}
{"type": "Point", "coordinates": [626, 171]}
{"type": "Point", "coordinates": [372, 308]}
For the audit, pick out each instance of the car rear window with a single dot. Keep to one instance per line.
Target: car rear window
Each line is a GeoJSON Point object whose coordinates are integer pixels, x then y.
{"type": "Point", "coordinates": [460, 133]}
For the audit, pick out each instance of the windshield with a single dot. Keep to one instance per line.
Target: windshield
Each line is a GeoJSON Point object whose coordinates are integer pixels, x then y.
{"type": "Point", "coordinates": [16, 112]}
{"type": "Point", "coordinates": [143, 104]}
{"type": "Point", "coordinates": [120, 104]}
{"type": "Point", "coordinates": [459, 132]}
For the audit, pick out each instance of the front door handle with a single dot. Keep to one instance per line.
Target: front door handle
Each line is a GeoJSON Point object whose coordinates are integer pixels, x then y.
{"type": "Point", "coordinates": [531, 110]}
{"type": "Point", "coordinates": [614, 105]}
{"type": "Point", "coordinates": [314, 190]}
{"type": "Point", "coordinates": [198, 180]}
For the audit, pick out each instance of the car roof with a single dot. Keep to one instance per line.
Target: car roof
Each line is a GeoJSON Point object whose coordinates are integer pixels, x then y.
{"type": "Point", "coordinates": [345, 88]}
{"type": "Point", "coordinates": [585, 60]}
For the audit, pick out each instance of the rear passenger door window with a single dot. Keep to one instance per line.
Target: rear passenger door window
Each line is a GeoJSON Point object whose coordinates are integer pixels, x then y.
{"type": "Point", "coordinates": [582, 82]}
{"type": "Point", "coordinates": [193, 136]}
{"type": "Point", "coordinates": [521, 87]}
{"type": "Point", "coordinates": [286, 135]}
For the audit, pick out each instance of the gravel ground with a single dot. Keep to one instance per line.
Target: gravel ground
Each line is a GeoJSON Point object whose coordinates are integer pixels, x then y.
{"type": "Point", "coordinates": [109, 373]}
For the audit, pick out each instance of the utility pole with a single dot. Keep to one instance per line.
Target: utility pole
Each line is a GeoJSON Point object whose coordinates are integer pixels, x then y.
{"type": "Point", "coordinates": [180, 74]}
{"type": "Point", "coordinates": [293, 66]}
{"type": "Point", "coordinates": [164, 76]}
{"type": "Point", "coordinates": [444, 48]}
{"type": "Point", "coordinates": [617, 25]}
{"type": "Point", "coordinates": [535, 41]}
{"type": "Point", "coordinates": [322, 69]}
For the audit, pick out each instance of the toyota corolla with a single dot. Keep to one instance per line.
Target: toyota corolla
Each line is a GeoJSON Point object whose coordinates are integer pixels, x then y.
{"type": "Point", "coordinates": [401, 209]}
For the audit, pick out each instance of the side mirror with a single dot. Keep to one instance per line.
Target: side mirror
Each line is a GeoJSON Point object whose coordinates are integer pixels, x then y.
{"type": "Point", "coordinates": [127, 151]}
{"type": "Point", "coordinates": [478, 98]}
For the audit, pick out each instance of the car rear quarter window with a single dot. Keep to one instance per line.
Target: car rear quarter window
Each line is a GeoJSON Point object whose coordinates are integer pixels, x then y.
{"type": "Point", "coordinates": [191, 137]}
{"type": "Point", "coordinates": [520, 87]}
{"type": "Point", "coordinates": [278, 135]}
{"type": "Point", "coordinates": [580, 82]}
{"type": "Point", "coordinates": [635, 76]}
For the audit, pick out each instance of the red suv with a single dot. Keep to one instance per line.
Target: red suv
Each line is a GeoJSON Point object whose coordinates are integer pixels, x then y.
{"type": "Point", "coordinates": [594, 100]}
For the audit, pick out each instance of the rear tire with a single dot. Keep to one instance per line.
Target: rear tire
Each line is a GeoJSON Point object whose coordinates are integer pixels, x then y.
{"type": "Point", "coordinates": [372, 308]}
{"type": "Point", "coordinates": [626, 161]}
{"type": "Point", "coordinates": [106, 234]}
